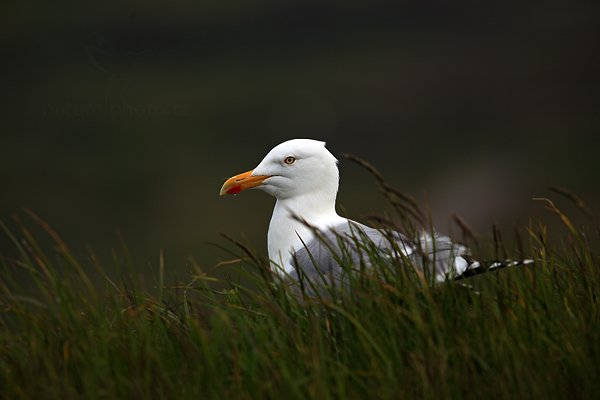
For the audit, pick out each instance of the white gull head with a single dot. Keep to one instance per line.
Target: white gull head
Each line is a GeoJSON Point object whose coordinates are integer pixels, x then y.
{"type": "Point", "coordinates": [303, 176]}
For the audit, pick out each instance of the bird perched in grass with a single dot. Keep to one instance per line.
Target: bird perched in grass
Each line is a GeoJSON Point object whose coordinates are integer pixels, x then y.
{"type": "Point", "coordinates": [306, 234]}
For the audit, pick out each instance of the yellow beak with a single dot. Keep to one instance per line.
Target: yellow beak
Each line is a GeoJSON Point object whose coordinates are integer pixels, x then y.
{"type": "Point", "coordinates": [240, 182]}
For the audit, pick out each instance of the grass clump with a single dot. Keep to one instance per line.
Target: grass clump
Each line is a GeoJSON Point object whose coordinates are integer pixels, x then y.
{"type": "Point", "coordinates": [69, 330]}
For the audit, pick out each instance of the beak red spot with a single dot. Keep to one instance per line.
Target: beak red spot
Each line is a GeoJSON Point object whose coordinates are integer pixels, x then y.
{"type": "Point", "coordinates": [234, 189]}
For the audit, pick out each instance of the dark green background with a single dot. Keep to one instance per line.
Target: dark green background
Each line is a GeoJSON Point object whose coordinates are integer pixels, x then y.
{"type": "Point", "coordinates": [129, 116]}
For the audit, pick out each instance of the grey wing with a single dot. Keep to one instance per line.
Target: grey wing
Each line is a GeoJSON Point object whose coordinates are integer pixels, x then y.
{"type": "Point", "coordinates": [347, 244]}
{"type": "Point", "coordinates": [352, 244]}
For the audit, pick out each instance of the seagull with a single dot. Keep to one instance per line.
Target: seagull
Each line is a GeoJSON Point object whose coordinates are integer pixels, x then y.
{"type": "Point", "coordinates": [307, 235]}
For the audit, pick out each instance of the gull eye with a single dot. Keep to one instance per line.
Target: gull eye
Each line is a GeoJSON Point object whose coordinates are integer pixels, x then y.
{"type": "Point", "coordinates": [289, 160]}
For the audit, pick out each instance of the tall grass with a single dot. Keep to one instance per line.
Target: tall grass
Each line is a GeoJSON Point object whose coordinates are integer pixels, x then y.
{"type": "Point", "coordinates": [68, 330]}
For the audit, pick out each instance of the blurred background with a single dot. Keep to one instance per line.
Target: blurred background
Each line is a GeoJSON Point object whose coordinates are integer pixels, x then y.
{"type": "Point", "coordinates": [128, 117]}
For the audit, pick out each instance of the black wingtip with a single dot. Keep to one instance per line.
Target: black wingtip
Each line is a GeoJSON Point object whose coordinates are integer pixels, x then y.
{"type": "Point", "coordinates": [477, 268]}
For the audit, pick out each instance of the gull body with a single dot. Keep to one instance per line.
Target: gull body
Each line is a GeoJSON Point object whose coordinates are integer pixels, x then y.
{"type": "Point", "coordinates": [303, 176]}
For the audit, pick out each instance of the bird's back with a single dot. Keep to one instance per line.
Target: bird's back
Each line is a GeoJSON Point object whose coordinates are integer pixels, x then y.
{"type": "Point", "coordinates": [351, 246]}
